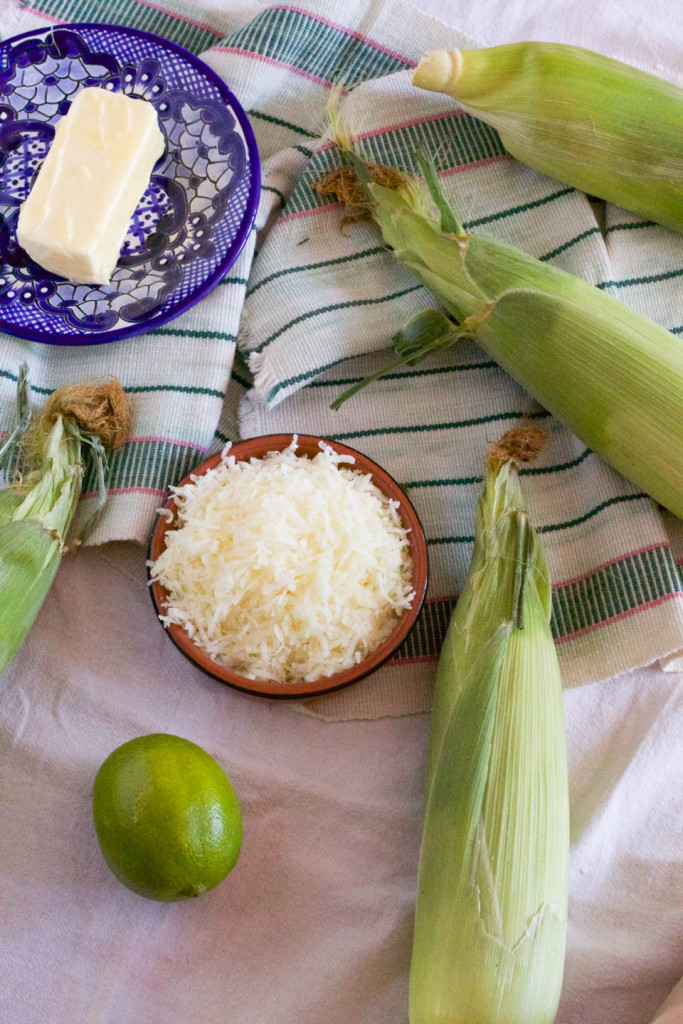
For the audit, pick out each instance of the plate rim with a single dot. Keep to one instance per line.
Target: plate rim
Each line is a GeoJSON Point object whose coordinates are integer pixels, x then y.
{"type": "Point", "coordinates": [121, 333]}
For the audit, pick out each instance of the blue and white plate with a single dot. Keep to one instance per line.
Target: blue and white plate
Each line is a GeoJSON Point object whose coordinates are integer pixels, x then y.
{"type": "Point", "coordinates": [191, 222]}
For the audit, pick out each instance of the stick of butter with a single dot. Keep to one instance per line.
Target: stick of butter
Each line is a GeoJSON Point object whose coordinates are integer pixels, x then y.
{"type": "Point", "coordinates": [77, 213]}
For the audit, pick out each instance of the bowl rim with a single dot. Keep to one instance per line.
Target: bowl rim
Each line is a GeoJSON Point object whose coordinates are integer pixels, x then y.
{"type": "Point", "coordinates": [77, 338]}
{"type": "Point", "coordinates": [258, 447]}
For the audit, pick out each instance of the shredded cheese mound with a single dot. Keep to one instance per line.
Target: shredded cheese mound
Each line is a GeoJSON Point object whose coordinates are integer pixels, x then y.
{"type": "Point", "coordinates": [286, 568]}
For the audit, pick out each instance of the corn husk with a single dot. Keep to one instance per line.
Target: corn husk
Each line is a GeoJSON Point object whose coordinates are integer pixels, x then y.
{"type": "Point", "coordinates": [32, 540]}
{"type": "Point", "coordinates": [22, 416]}
{"type": "Point", "coordinates": [36, 512]}
{"type": "Point", "coordinates": [612, 376]}
{"type": "Point", "coordinates": [491, 915]}
{"type": "Point", "coordinates": [587, 120]}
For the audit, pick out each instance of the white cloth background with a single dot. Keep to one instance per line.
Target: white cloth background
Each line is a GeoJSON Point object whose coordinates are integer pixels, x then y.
{"type": "Point", "coordinates": [314, 924]}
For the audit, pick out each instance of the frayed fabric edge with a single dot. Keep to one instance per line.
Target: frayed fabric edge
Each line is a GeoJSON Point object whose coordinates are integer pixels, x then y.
{"type": "Point", "coordinates": [264, 378]}
{"type": "Point", "coordinates": [252, 411]}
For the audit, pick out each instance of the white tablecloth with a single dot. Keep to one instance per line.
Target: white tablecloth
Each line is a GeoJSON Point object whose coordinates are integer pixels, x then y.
{"type": "Point", "coordinates": [314, 924]}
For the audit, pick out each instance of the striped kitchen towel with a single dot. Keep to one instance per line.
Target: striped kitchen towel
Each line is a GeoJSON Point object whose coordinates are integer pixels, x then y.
{"type": "Point", "coordinates": [318, 305]}
{"type": "Point", "coordinates": [323, 301]}
{"type": "Point", "coordinates": [177, 375]}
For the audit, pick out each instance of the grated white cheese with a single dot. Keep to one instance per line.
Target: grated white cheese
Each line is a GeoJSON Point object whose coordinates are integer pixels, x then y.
{"type": "Point", "coordinates": [286, 568]}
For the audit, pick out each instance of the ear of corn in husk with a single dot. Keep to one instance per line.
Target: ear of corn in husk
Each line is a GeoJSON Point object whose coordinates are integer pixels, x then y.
{"type": "Point", "coordinates": [612, 376]}
{"type": "Point", "coordinates": [587, 120]}
{"type": "Point", "coordinates": [491, 915]}
{"type": "Point", "coordinates": [36, 512]}
{"type": "Point", "coordinates": [22, 416]}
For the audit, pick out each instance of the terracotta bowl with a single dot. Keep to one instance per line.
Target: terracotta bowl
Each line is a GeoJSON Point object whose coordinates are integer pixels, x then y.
{"type": "Point", "coordinates": [307, 445]}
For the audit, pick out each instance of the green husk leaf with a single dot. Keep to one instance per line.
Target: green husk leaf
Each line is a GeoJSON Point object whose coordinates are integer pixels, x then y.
{"type": "Point", "coordinates": [557, 335]}
{"type": "Point", "coordinates": [36, 512]}
{"type": "Point", "coordinates": [29, 559]}
{"type": "Point", "coordinates": [450, 223]}
{"type": "Point", "coordinates": [9, 502]}
{"type": "Point", "coordinates": [50, 491]}
{"type": "Point", "coordinates": [361, 384]}
{"type": "Point", "coordinates": [490, 920]}
{"type": "Point", "coordinates": [426, 333]}
{"type": "Point", "coordinates": [554, 108]}
{"type": "Point", "coordinates": [32, 541]}
{"type": "Point", "coordinates": [360, 167]}
{"type": "Point", "coordinates": [615, 410]}
{"type": "Point", "coordinates": [23, 415]}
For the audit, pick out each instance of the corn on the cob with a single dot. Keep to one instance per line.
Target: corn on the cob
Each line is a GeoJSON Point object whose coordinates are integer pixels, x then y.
{"type": "Point", "coordinates": [491, 914]}
{"type": "Point", "coordinates": [36, 514]}
{"type": "Point", "coordinates": [612, 376]}
{"type": "Point", "coordinates": [32, 536]}
{"type": "Point", "coordinates": [589, 121]}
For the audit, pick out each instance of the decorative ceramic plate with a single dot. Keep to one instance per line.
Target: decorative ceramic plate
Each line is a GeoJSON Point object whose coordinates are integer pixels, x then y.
{"type": "Point", "coordinates": [191, 222]}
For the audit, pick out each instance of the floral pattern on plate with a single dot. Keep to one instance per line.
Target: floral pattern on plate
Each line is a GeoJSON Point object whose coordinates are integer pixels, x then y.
{"type": "Point", "coordinates": [192, 220]}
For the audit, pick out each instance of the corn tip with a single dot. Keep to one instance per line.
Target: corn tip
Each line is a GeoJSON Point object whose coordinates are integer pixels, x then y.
{"type": "Point", "coordinates": [438, 70]}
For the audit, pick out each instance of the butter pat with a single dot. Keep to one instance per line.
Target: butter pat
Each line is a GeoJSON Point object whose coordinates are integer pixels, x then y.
{"type": "Point", "coordinates": [77, 213]}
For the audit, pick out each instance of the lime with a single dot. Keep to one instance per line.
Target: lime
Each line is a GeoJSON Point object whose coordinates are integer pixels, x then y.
{"type": "Point", "coordinates": [167, 818]}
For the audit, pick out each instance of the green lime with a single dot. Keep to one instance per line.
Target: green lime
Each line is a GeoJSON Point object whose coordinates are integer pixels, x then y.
{"type": "Point", "coordinates": [167, 818]}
